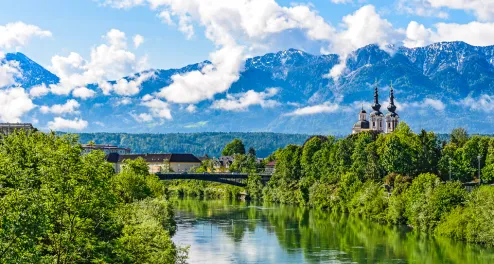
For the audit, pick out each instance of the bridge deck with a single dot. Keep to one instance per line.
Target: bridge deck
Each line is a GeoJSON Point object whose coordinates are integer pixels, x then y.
{"type": "Point", "coordinates": [237, 179]}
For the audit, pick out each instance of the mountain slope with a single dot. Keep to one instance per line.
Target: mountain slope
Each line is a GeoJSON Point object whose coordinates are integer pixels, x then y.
{"type": "Point", "coordinates": [436, 89]}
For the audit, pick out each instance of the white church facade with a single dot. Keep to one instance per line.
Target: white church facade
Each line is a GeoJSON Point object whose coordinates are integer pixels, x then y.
{"type": "Point", "coordinates": [377, 120]}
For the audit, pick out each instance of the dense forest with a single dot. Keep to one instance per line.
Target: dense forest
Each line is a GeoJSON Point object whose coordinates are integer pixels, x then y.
{"type": "Point", "coordinates": [199, 144]}
{"type": "Point", "coordinates": [396, 178]}
{"type": "Point", "coordinates": [58, 206]}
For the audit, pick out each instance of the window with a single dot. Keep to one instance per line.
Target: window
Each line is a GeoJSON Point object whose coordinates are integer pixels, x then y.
{"type": "Point", "coordinates": [374, 124]}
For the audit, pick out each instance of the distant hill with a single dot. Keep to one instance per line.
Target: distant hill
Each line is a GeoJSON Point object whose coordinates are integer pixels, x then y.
{"type": "Point", "coordinates": [457, 79]}
{"type": "Point", "coordinates": [196, 143]}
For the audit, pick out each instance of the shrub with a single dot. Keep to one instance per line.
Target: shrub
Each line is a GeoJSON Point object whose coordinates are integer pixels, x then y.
{"type": "Point", "coordinates": [370, 201]}
{"type": "Point", "coordinates": [473, 221]}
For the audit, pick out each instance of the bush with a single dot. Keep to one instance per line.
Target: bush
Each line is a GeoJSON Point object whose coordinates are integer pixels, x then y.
{"type": "Point", "coordinates": [473, 221]}
{"type": "Point", "coordinates": [427, 200]}
{"type": "Point", "coordinates": [370, 201]}
{"type": "Point", "coordinates": [324, 196]}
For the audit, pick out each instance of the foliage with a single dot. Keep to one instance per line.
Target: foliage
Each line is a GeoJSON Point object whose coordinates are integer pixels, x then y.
{"type": "Point", "coordinates": [234, 147]}
{"type": "Point", "coordinates": [59, 206]}
{"type": "Point", "coordinates": [473, 221]}
{"type": "Point", "coordinates": [459, 136]}
{"type": "Point", "coordinates": [254, 186]}
{"type": "Point", "coordinates": [210, 143]}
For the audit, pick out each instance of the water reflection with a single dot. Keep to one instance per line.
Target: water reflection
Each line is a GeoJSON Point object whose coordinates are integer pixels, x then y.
{"type": "Point", "coordinates": [241, 232]}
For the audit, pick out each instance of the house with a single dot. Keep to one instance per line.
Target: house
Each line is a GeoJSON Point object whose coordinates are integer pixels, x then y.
{"type": "Point", "coordinates": [270, 167]}
{"type": "Point", "coordinates": [223, 163]}
{"type": "Point", "coordinates": [158, 163]}
{"type": "Point", "coordinates": [9, 128]}
{"type": "Point", "coordinates": [87, 148]}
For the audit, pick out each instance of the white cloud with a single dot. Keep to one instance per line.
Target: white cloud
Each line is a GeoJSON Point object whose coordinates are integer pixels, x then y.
{"type": "Point", "coordinates": [138, 41]}
{"type": "Point", "coordinates": [110, 61]}
{"type": "Point", "coordinates": [421, 8]}
{"type": "Point", "coordinates": [124, 101]}
{"type": "Point", "coordinates": [9, 71]}
{"type": "Point", "coordinates": [142, 118]}
{"type": "Point", "coordinates": [126, 87]}
{"type": "Point", "coordinates": [235, 27]}
{"type": "Point", "coordinates": [362, 28]}
{"type": "Point", "coordinates": [38, 91]}
{"type": "Point", "coordinates": [14, 103]}
{"type": "Point", "coordinates": [60, 123]}
{"type": "Point", "coordinates": [158, 108]}
{"type": "Point", "coordinates": [315, 109]}
{"type": "Point", "coordinates": [83, 93]}
{"type": "Point", "coordinates": [70, 107]}
{"type": "Point", "coordinates": [191, 108]}
{"type": "Point", "coordinates": [242, 101]}
{"type": "Point", "coordinates": [342, 1]}
{"type": "Point", "coordinates": [483, 9]}
{"type": "Point", "coordinates": [484, 103]}
{"type": "Point", "coordinates": [473, 33]}
{"type": "Point", "coordinates": [101, 124]}
{"type": "Point", "coordinates": [147, 97]}
{"type": "Point", "coordinates": [18, 34]}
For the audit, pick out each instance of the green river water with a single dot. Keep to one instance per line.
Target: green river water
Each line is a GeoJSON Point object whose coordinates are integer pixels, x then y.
{"type": "Point", "coordinates": [220, 231]}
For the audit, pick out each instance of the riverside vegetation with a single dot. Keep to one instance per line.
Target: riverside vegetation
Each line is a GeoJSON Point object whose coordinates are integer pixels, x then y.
{"type": "Point", "coordinates": [58, 206]}
{"type": "Point", "coordinates": [397, 178]}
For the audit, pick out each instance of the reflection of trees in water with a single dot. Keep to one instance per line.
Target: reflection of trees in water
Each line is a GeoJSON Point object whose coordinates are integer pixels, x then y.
{"type": "Point", "coordinates": [318, 233]}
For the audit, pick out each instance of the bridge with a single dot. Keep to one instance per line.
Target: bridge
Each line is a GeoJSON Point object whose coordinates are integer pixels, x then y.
{"type": "Point", "coordinates": [232, 178]}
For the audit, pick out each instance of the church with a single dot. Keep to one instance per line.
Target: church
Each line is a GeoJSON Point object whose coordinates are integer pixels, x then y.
{"type": "Point", "coordinates": [378, 122]}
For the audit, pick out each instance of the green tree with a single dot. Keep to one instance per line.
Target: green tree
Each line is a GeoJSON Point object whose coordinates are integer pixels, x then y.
{"type": "Point", "coordinates": [360, 155]}
{"type": "Point", "coordinates": [234, 147]}
{"type": "Point", "coordinates": [252, 152]}
{"type": "Point", "coordinates": [459, 136]}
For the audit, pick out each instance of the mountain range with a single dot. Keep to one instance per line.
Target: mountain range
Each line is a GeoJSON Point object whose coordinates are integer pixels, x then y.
{"type": "Point", "coordinates": [437, 87]}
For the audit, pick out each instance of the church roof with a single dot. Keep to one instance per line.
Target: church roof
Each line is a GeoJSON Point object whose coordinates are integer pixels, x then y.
{"type": "Point", "coordinates": [362, 124]}
{"type": "Point", "coordinates": [376, 113]}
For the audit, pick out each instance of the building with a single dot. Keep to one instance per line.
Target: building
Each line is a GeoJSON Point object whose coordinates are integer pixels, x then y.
{"type": "Point", "coordinates": [9, 128]}
{"type": "Point", "coordinates": [377, 118]}
{"type": "Point", "coordinates": [223, 163]}
{"type": "Point", "coordinates": [270, 167]}
{"type": "Point", "coordinates": [158, 163]}
{"type": "Point", "coordinates": [108, 149]}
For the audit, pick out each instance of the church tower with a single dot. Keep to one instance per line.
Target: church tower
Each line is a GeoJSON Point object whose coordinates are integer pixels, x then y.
{"type": "Point", "coordinates": [376, 117]}
{"type": "Point", "coordinates": [362, 124]}
{"type": "Point", "coordinates": [392, 117]}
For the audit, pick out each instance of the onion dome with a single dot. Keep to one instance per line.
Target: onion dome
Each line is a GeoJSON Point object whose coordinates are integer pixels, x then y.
{"type": "Point", "coordinates": [391, 106]}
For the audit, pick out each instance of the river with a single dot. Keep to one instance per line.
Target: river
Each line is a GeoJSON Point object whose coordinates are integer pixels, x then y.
{"type": "Point", "coordinates": [221, 231]}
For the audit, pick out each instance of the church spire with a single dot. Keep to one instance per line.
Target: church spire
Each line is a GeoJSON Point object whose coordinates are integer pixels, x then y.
{"type": "Point", "coordinates": [391, 106]}
{"type": "Point", "coordinates": [376, 106]}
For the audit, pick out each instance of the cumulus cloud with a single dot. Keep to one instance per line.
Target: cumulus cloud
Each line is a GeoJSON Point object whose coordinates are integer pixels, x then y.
{"type": "Point", "coordinates": [142, 118]}
{"type": "Point", "coordinates": [70, 107]}
{"type": "Point", "coordinates": [18, 34]}
{"type": "Point", "coordinates": [237, 28]}
{"type": "Point", "coordinates": [124, 101]}
{"type": "Point", "coordinates": [38, 91]}
{"type": "Point", "coordinates": [191, 108]}
{"type": "Point", "coordinates": [483, 9]}
{"type": "Point", "coordinates": [138, 40]}
{"type": "Point", "coordinates": [126, 87]}
{"type": "Point", "coordinates": [14, 103]}
{"type": "Point", "coordinates": [9, 71]}
{"type": "Point", "coordinates": [83, 93]}
{"type": "Point", "coordinates": [483, 103]}
{"type": "Point", "coordinates": [421, 8]}
{"type": "Point", "coordinates": [242, 101]}
{"type": "Point", "coordinates": [315, 109]}
{"type": "Point", "coordinates": [362, 28]}
{"type": "Point", "coordinates": [473, 33]}
{"type": "Point", "coordinates": [60, 123]}
{"type": "Point", "coordinates": [109, 61]}
{"type": "Point", "coordinates": [158, 108]}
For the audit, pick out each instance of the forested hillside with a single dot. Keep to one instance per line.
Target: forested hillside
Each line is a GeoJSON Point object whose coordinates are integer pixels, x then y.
{"type": "Point", "coordinates": [196, 143]}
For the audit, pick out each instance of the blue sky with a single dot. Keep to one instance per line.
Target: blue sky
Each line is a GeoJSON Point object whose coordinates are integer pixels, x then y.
{"type": "Point", "coordinates": [88, 42]}
{"type": "Point", "coordinates": [77, 25]}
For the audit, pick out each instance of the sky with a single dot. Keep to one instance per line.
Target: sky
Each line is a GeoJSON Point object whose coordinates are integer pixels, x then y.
{"type": "Point", "coordinates": [88, 42]}
{"type": "Point", "coordinates": [77, 25]}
